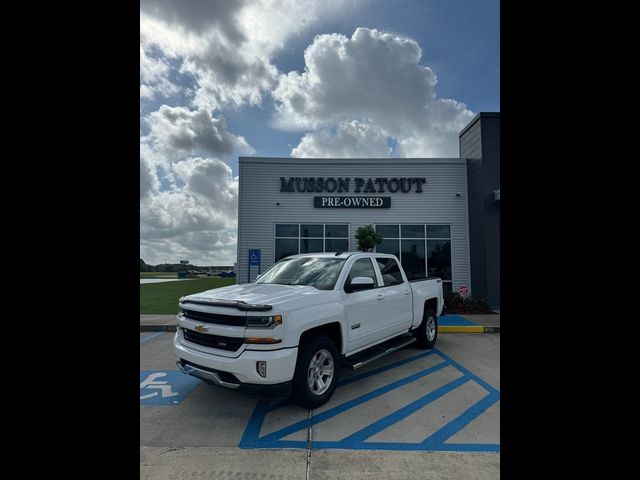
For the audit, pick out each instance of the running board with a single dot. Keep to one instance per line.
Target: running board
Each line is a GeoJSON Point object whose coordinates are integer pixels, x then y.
{"type": "Point", "coordinates": [361, 359]}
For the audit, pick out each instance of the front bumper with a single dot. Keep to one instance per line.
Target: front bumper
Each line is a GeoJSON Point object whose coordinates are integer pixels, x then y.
{"type": "Point", "coordinates": [270, 391]}
{"type": "Point", "coordinates": [240, 373]}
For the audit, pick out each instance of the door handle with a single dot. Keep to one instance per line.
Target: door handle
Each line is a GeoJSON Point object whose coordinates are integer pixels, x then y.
{"type": "Point", "coordinates": [406, 292]}
{"type": "Point", "coordinates": [379, 296]}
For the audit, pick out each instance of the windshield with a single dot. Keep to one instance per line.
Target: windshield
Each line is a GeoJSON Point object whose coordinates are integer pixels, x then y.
{"type": "Point", "coordinates": [319, 272]}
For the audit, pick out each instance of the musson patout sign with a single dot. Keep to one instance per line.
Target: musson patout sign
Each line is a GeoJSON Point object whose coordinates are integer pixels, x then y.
{"type": "Point", "coordinates": [343, 185]}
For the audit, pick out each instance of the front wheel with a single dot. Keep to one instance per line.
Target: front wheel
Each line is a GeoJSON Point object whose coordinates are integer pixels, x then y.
{"type": "Point", "coordinates": [427, 332]}
{"type": "Point", "coordinates": [317, 371]}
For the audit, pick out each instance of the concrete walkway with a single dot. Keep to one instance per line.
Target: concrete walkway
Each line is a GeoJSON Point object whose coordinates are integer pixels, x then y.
{"type": "Point", "coordinates": [482, 323]}
{"type": "Point", "coordinates": [160, 463]}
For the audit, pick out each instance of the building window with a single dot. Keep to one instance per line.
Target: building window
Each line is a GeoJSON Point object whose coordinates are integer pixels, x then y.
{"type": "Point", "coordinates": [294, 238]}
{"type": "Point", "coordinates": [423, 250]}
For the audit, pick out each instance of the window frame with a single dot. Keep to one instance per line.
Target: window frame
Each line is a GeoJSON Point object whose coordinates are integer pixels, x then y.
{"type": "Point", "coordinates": [425, 239]}
{"type": "Point", "coordinates": [376, 272]}
{"type": "Point", "coordinates": [300, 237]}
{"type": "Point", "coordinates": [405, 279]}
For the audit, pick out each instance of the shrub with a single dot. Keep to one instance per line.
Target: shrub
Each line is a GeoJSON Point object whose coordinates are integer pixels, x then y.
{"type": "Point", "coordinates": [456, 304]}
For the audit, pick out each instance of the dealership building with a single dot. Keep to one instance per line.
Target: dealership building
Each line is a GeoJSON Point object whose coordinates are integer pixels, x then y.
{"type": "Point", "coordinates": [439, 216]}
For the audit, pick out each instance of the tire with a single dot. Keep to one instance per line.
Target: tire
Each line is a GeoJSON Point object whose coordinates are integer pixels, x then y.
{"type": "Point", "coordinates": [320, 349]}
{"type": "Point", "coordinates": [427, 332]}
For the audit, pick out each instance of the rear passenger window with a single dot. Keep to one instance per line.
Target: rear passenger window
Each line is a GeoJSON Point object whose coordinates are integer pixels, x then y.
{"type": "Point", "coordinates": [390, 271]}
{"type": "Point", "coordinates": [362, 268]}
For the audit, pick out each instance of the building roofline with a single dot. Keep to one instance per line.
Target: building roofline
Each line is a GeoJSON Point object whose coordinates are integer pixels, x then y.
{"type": "Point", "coordinates": [453, 160]}
{"type": "Point", "coordinates": [478, 116]}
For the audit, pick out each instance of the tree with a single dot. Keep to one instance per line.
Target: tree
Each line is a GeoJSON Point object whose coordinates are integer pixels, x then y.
{"type": "Point", "coordinates": [143, 266]}
{"type": "Point", "coordinates": [367, 238]}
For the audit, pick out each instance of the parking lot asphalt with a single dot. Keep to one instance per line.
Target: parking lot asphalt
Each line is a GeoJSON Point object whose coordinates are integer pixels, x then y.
{"type": "Point", "coordinates": [435, 413]}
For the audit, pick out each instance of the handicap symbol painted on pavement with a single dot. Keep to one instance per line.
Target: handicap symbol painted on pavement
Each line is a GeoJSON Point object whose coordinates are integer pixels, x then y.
{"type": "Point", "coordinates": [169, 387]}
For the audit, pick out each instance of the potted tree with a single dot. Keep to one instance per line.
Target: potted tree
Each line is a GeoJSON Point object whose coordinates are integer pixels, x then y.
{"type": "Point", "coordinates": [367, 238]}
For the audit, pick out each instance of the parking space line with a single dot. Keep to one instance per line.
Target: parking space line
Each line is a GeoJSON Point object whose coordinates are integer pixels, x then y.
{"type": "Point", "coordinates": [434, 442]}
{"type": "Point", "coordinates": [461, 421]}
{"type": "Point", "coordinates": [476, 378]}
{"type": "Point", "coordinates": [384, 422]}
{"type": "Point", "coordinates": [283, 432]}
{"type": "Point", "coordinates": [150, 337]}
{"type": "Point", "coordinates": [465, 447]}
{"type": "Point", "coordinates": [399, 363]}
{"type": "Point", "coordinates": [360, 376]}
{"type": "Point", "coordinates": [255, 424]}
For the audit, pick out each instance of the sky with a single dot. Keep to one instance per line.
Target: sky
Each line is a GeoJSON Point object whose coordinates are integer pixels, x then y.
{"type": "Point", "coordinates": [221, 79]}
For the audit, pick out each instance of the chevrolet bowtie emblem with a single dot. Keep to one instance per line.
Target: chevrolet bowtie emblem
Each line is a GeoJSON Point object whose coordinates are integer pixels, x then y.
{"type": "Point", "coordinates": [201, 328]}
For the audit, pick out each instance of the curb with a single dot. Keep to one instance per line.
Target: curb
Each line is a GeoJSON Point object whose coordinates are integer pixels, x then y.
{"type": "Point", "coordinates": [468, 329]}
{"type": "Point", "coordinates": [443, 329]}
{"type": "Point", "coordinates": [460, 329]}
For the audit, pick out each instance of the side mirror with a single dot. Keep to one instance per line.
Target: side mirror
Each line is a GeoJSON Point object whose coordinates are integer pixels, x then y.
{"type": "Point", "coordinates": [359, 283]}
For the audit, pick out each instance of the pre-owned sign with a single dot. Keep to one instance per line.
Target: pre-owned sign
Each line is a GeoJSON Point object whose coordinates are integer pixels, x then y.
{"type": "Point", "coordinates": [352, 202]}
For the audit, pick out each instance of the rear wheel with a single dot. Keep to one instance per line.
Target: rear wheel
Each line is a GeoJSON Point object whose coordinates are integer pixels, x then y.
{"type": "Point", "coordinates": [317, 372]}
{"type": "Point", "coordinates": [427, 332]}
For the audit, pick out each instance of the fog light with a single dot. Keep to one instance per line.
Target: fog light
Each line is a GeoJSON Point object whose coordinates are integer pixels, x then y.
{"type": "Point", "coordinates": [261, 368]}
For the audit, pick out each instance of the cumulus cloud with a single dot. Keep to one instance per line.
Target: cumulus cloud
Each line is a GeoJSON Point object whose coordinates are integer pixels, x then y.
{"type": "Point", "coordinates": [226, 46]}
{"type": "Point", "coordinates": [180, 130]}
{"type": "Point", "coordinates": [374, 77]}
{"type": "Point", "coordinates": [221, 50]}
{"type": "Point", "coordinates": [154, 74]}
{"type": "Point", "coordinates": [211, 179]}
{"type": "Point", "coordinates": [188, 195]}
{"type": "Point", "coordinates": [148, 181]}
{"type": "Point", "coordinates": [180, 222]}
{"type": "Point", "coordinates": [351, 139]}
{"type": "Point", "coordinates": [198, 16]}
{"type": "Point", "coordinates": [197, 218]}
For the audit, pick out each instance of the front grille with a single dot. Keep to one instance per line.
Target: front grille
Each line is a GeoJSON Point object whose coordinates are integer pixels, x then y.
{"type": "Point", "coordinates": [216, 318]}
{"type": "Point", "coordinates": [230, 344]}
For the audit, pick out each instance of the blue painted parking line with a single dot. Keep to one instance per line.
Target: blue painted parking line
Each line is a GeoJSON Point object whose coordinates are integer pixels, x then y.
{"type": "Point", "coordinates": [454, 320]}
{"type": "Point", "coordinates": [165, 387]}
{"type": "Point", "coordinates": [458, 423]}
{"type": "Point", "coordinates": [398, 415]}
{"type": "Point", "coordinates": [434, 442]}
{"type": "Point", "coordinates": [360, 376]}
{"type": "Point", "coordinates": [332, 412]}
{"type": "Point", "coordinates": [151, 337]}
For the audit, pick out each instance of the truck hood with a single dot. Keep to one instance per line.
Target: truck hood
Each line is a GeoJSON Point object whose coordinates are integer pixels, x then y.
{"type": "Point", "coordinates": [269, 294]}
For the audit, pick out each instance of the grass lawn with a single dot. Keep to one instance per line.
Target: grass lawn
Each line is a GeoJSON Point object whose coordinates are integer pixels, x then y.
{"type": "Point", "coordinates": [158, 274]}
{"type": "Point", "coordinates": [162, 298]}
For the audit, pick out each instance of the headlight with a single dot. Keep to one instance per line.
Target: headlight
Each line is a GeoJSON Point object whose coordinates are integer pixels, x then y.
{"type": "Point", "coordinates": [264, 322]}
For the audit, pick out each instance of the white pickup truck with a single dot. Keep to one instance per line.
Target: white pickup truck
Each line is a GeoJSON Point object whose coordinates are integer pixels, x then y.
{"type": "Point", "coordinates": [289, 332]}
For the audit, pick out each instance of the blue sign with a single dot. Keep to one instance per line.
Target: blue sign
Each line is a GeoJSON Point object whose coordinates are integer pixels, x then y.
{"type": "Point", "coordinates": [254, 257]}
{"type": "Point", "coordinates": [169, 387]}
